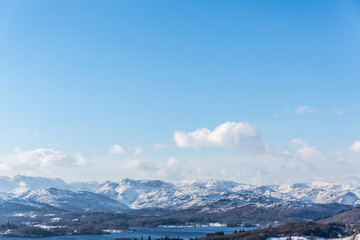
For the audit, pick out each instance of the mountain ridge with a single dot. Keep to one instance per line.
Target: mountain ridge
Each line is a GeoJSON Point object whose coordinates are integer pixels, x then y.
{"type": "Point", "coordinates": [209, 195]}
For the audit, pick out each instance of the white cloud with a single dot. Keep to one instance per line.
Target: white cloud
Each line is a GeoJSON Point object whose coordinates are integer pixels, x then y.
{"type": "Point", "coordinates": [304, 109]}
{"type": "Point", "coordinates": [116, 149]}
{"type": "Point", "coordinates": [159, 146]}
{"type": "Point", "coordinates": [337, 111]}
{"type": "Point", "coordinates": [306, 151]}
{"type": "Point", "coordinates": [165, 169]}
{"type": "Point", "coordinates": [308, 163]}
{"type": "Point", "coordinates": [172, 170]}
{"type": "Point", "coordinates": [141, 165]}
{"type": "Point", "coordinates": [137, 150]}
{"type": "Point", "coordinates": [237, 136]}
{"type": "Point", "coordinates": [4, 167]}
{"type": "Point", "coordinates": [172, 162]}
{"type": "Point", "coordinates": [40, 159]}
{"type": "Point", "coordinates": [355, 147]}
{"type": "Point", "coordinates": [80, 160]}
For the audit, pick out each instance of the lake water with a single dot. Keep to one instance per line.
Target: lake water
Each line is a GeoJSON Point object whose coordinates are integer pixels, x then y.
{"type": "Point", "coordinates": [158, 232]}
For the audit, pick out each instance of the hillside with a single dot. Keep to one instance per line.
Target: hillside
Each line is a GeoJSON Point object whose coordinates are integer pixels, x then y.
{"type": "Point", "coordinates": [287, 230]}
{"type": "Point", "coordinates": [350, 217]}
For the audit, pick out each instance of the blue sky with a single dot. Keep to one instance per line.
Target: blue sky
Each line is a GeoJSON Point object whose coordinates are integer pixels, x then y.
{"type": "Point", "coordinates": [80, 77]}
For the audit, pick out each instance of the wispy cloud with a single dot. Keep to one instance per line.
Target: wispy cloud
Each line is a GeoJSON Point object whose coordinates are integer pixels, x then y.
{"type": "Point", "coordinates": [304, 109]}
{"type": "Point", "coordinates": [137, 150]}
{"type": "Point", "coordinates": [34, 133]}
{"type": "Point", "coordinates": [141, 165]}
{"type": "Point", "coordinates": [117, 149]}
{"type": "Point", "coordinates": [170, 170]}
{"type": "Point", "coordinates": [338, 111]}
{"type": "Point", "coordinates": [158, 146]}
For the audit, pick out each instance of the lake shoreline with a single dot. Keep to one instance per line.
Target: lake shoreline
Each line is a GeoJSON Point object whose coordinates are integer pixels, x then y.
{"type": "Point", "coordinates": [184, 232]}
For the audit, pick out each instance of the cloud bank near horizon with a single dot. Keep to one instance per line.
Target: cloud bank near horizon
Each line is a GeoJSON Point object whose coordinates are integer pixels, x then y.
{"type": "Point", "coordinates": [40, 159]}
{"type": "Point", "coordinates": [245, 157]}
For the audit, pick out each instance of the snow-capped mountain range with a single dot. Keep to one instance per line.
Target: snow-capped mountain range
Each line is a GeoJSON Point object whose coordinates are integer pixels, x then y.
{"type": "Point", "coordinates": [213, 195]}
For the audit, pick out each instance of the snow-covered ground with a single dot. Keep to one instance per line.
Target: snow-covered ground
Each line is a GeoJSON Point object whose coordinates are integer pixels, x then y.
{"type": "Point", "coordinates": [137, 194]}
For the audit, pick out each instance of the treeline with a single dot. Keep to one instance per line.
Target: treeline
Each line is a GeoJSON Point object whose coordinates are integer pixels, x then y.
{"type": "Point", "coordinates": [287, 230]}
{"type": "Point", "coordinates": [30, 231]}
{"type": "Point", "coordinates": [149, 238]}
{"type": "Point", "coordinates": [68, 223]}
{"type": "Point", "coordinates": [247, 215]}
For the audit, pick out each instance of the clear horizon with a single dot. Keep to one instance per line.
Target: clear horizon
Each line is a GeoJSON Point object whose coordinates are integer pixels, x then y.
{"type": "Point", "coordinates": [256, 92]}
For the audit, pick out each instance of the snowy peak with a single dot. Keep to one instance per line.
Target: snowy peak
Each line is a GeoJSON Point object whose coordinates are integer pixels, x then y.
{"type": "Point", "coordinates": [135, 193]}
{"type": "Point", "coordinates": [20, 184]}
{"type": "Point", "coordinates": [187, 194]}
{"type": "Point", "coordinates": [74, 201]}
{"type": "Point", "coordinates": [7, 185]}
{"type": "Point", "coordinates": [35, 183]}
{"type": "Point", "coordinates": [84, 186]}
{"type": "Point", "coordinates": [145, 183]}
{"type": "Point", "coordinates": [213, 195]}
{"type": "Point", "coordinates": [349, 198]}
{"type": "Point", "coordinates": [318, 192]}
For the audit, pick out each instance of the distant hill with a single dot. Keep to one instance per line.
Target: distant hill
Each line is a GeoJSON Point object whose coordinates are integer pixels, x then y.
{"type": "Point", "coordinates": [350, 217]}
{"type": "Point", "coordinates": [287, 230]}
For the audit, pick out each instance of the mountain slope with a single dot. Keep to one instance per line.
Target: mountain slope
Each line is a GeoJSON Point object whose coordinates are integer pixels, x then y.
{"type": "Point", "coordinates": [14, 206]}
{"type": "Point", "coordinates": [74, 201]}
{"type": "Point", "coordinates": [224, 195]}
{"type": "Point", "coordinates": [207, 195]}
{"type": "Point", "coordinates": [351, 217]}
{"type": "Point", "coordinates": [19, 184]}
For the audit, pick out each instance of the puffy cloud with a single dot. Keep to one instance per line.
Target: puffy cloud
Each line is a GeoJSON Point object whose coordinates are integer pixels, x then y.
{"type": "Point", "coordinates": [40, 159]}
{"type": "Point", "coordinates": [304, 109]}
{"type": "Point", "coordinates": [355, 147]}
{"type": "Point", "coordinates": [237, 136]}
{"type": "Point", "coordinates": [116, 149]}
